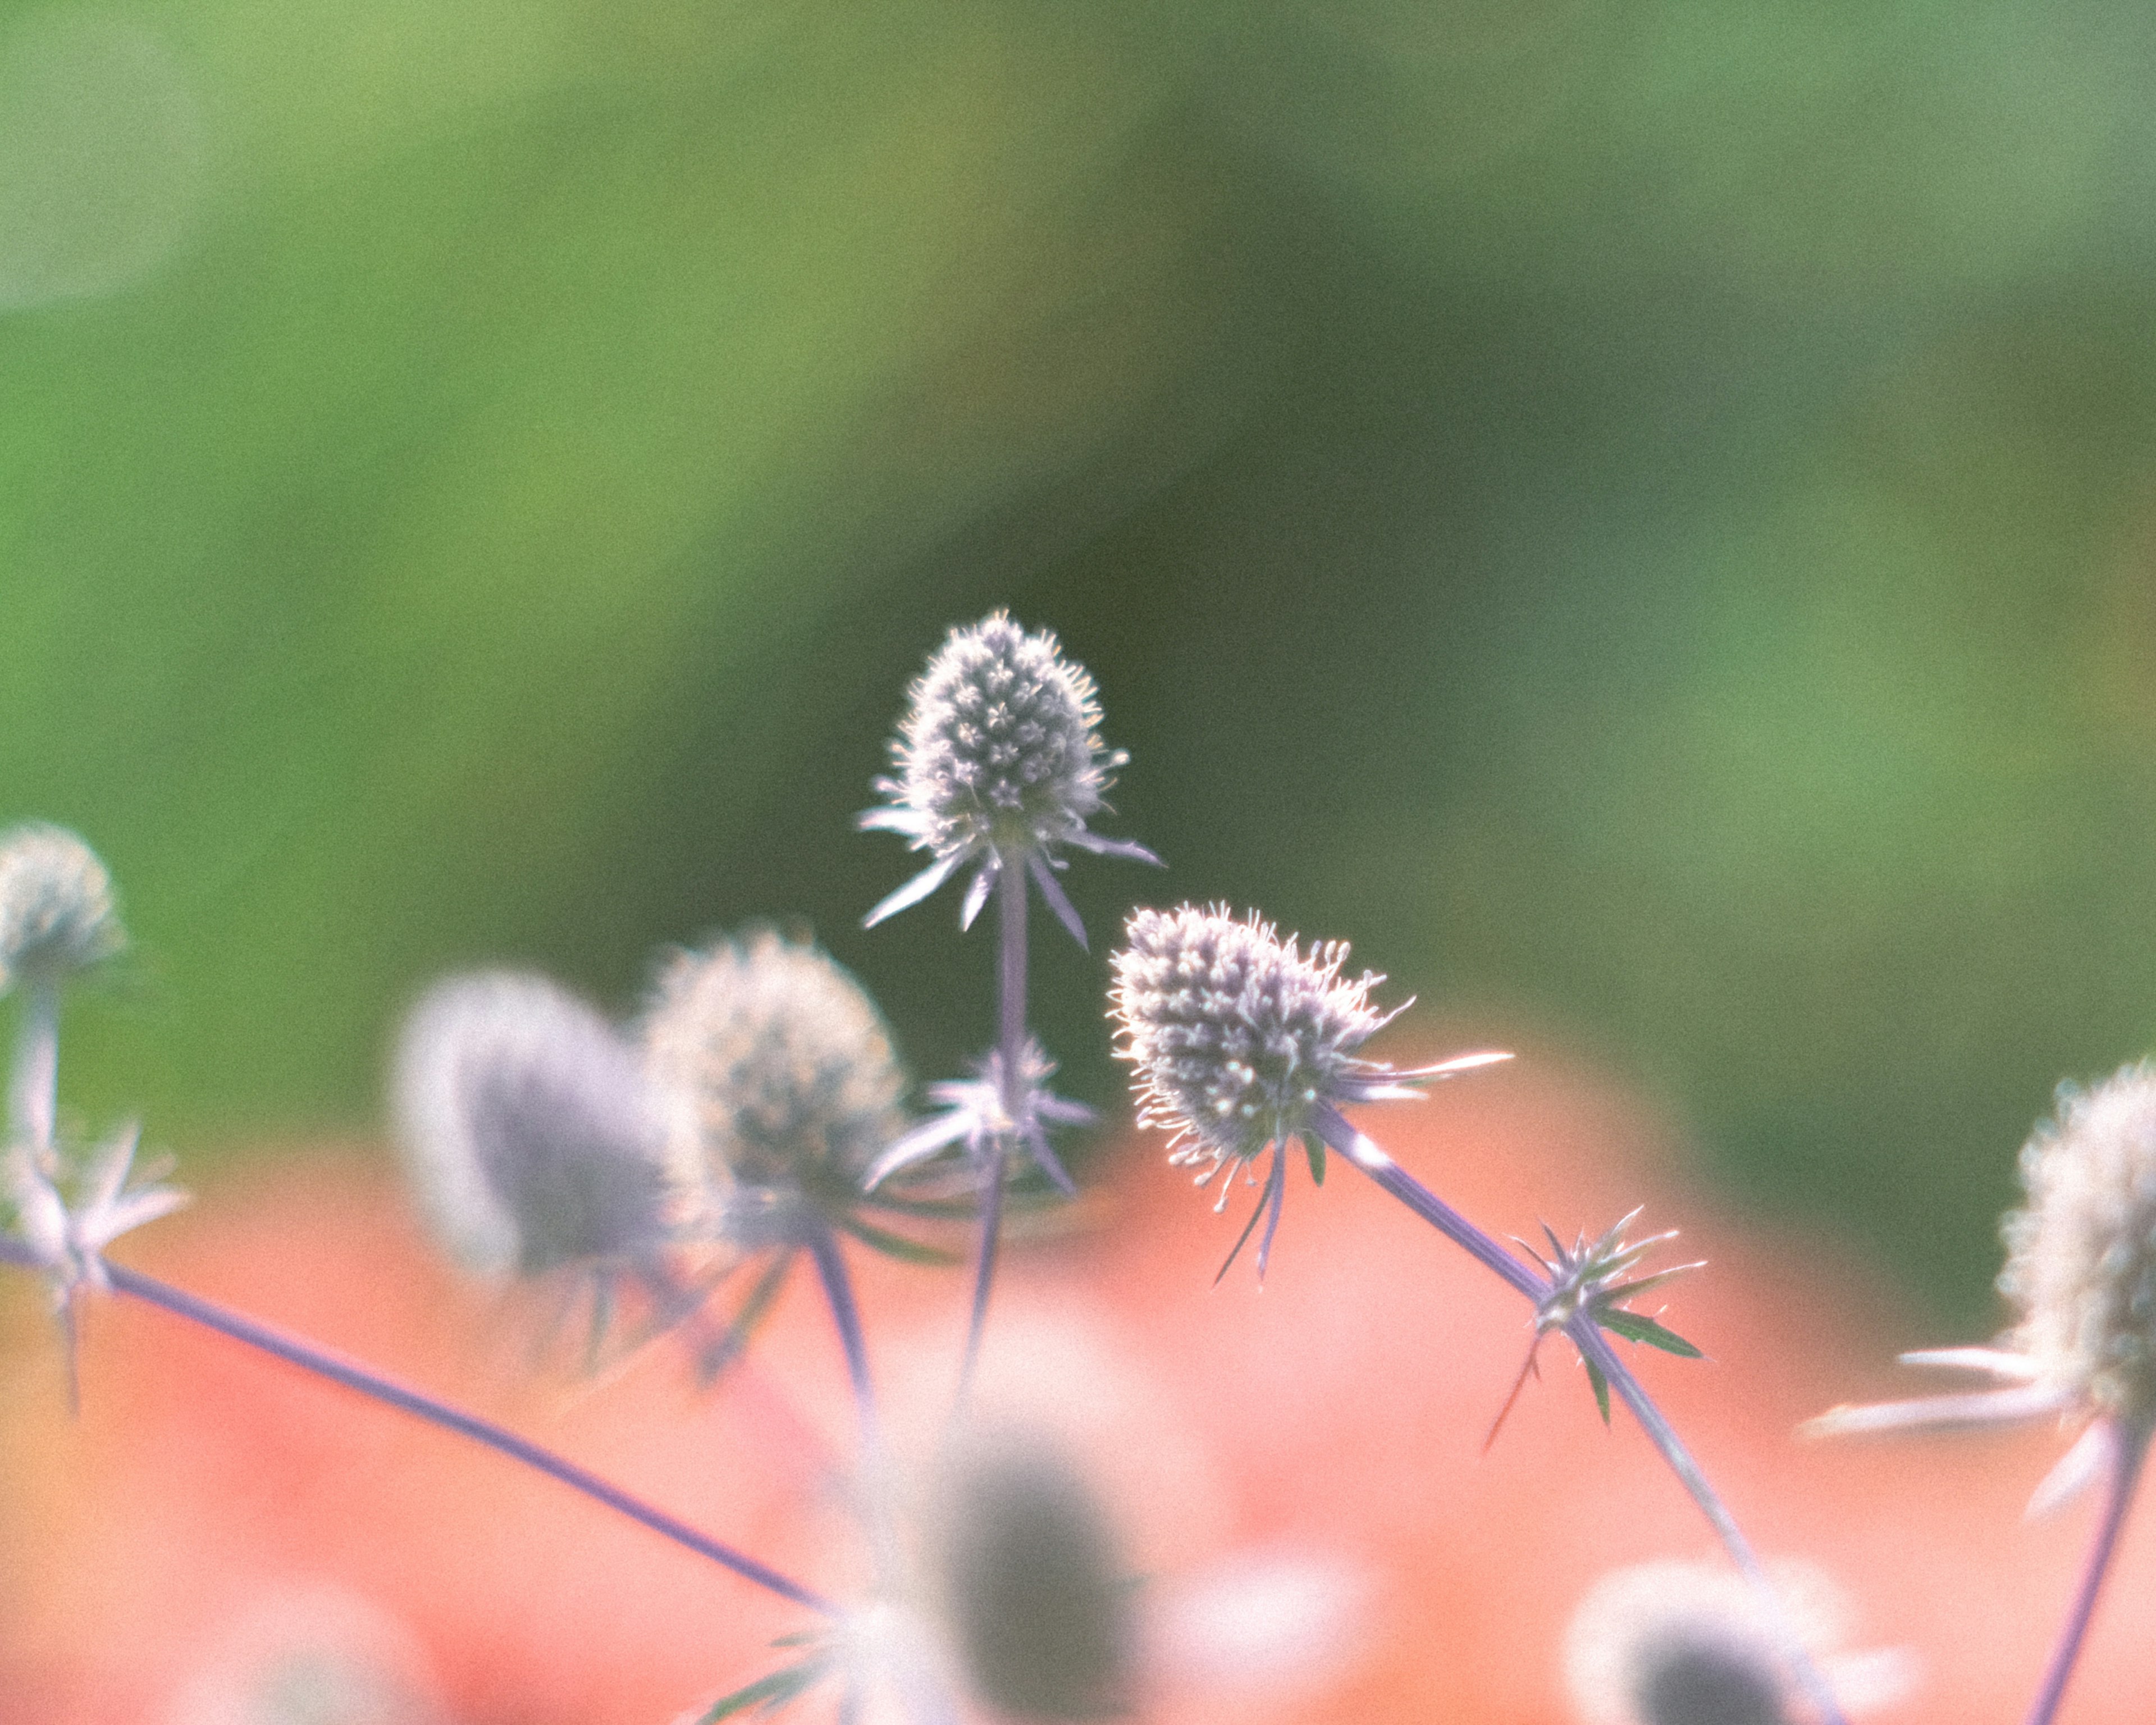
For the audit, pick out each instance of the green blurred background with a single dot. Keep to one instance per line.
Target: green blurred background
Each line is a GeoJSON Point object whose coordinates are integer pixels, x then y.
{"type": "Point", "coordinates": [1641, 514]}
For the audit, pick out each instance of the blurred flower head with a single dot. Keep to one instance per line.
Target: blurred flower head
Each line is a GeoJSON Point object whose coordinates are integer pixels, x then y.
{"type": "Point", "coordinates": [780, 1075]}
{"type": "Point", "coordinates": [529, 1129]}
{"type": "Point", "coordinates": [57, 915]}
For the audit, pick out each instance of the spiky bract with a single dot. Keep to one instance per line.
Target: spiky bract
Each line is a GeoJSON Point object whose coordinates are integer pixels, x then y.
{"type": "Point", "coordinates": [781, 1069]}
{"type": "Point", "coordinates": [2081, 1256]}
{"type": "Point", "coordinates": [1235, 1035]}
{"type": "Point", "coordinates": [57, 914]}
{"type": "Point", "coordinates": [529, 1128]}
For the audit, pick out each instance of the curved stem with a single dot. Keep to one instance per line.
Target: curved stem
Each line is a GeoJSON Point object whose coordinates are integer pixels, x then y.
{"type": "Point", "coordinates": [2129, 1450]}
{"type": "Point", "coordinates": [1594, 1348]}
{"type": "Point", "coordinates": [353, 1376]}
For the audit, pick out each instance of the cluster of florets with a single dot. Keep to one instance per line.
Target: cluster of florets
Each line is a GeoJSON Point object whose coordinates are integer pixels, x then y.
{"type": "Point", "coordinates": [2081, 1256]}
{"type": "Point", "coordinates": [1236, 1035]}
{"type": "Point", "coordinates": [1000, 747]}
{"type": "Point", "coordinates": [57, 914]}
{"type": "Point", "coordinates": [780, 1070]}
{"type": "Point", "coordinates": [530, 1129]}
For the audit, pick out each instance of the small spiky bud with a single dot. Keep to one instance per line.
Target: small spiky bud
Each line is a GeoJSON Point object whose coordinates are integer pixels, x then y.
{"type": "Point", "coordinates": [2081, 1256]}
{"type": "Point", "coordinates": [57, 915]}
{"type": "Point", "coordinates": [1235, 1035]}
{"type": "Point", "coordinates": [780, 1067]}
{"type": "Point", "coordinates": [1000, 747]}
{"type": "Point", "coordinates": [529, 1128]}
{"type": "Point", "coordinates": [1032, 1591]}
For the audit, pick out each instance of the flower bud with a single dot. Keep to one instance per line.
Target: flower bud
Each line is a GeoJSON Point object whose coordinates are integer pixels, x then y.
{"type": "Point", "coordinates": [56, 910]}
{"type": "Point", "coordinates": [529, 1128]}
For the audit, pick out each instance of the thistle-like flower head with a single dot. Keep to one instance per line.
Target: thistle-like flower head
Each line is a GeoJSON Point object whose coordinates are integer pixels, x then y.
{"type": "Point", "coordinates": [57, 915]}
{"type": "Point", "coordinates": [971, 1112]}
{"type": "Point", "coordinates": [529, 1129]}
{"type": "Point", "coordinates": [999, 761]}
{"type": "Point", "coordinates": [2081, 1268]}
{"type": "Point", "coordinates": [782, 1075]}
{"type": "Point", "coordinates": [1676, 1643]}
{"type": "Point", "coordinates": [2081, 1261]}
{"type": "Point", "coordinates": [1237, 1036]}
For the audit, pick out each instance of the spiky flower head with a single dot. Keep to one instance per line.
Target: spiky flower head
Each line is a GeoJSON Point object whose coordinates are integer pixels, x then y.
{"type": "Point", "coordinates": [1237, 1036]}
{"type": "Point", "coordinates": [2081, 1256]}
{"type": "Point", "coordinates": [999, 761]}
{"type": "Point", "coordinates": [1000, 745]}
{"type": "Point", "coordinates": [781, 1071]}
{"type": "Point", "coordinates": [57, 915]}
{"type": "Point", "coordinates": [529, 1128]}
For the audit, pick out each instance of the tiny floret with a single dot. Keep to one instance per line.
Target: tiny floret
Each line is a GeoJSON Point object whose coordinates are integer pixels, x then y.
{"type": "Point", "coordinates": [529, 1129]}
{"type": "Point", "coordinates": [1236, 1036]}
{"type": "Point", "coordinates": [2081, 1256]}
{"type": "Point", "coordinates": [779, 1070]}
{"type": "Point", "coordinates": [57, 915]}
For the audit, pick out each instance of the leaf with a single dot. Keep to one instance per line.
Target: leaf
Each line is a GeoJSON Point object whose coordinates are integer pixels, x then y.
{"type": "Point", "coordinates": [1635, 1327]}
{"type": "Point", "coordinates": [1601, 1388]}
{"type": "Point", "coordinates": [1313, 1146]}
{"type": "Point", "coordinates": [714, 1358]}
{"type": "Point", "coordinates": [766, 1694]}
{"type": "Point", "coordinates": [895, 1245]}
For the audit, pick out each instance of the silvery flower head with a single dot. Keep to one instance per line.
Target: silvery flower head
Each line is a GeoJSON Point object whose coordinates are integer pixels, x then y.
{"type": "Point", "coordinates": [782, 1077]}
{"type": "Point", "coordinates": [529, 1128]}
{"type": "Point", "coordinates": [999, 762]}
{"type": "Point", "coordinates": [1241, 1042]}
{"type": "Point", "coordinates": [57, 915]}
{"type": "Point", "coordinates": [2081, 1269]}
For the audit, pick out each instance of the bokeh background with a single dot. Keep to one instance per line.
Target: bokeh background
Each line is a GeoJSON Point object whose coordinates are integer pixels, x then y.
{"type": "Point", "coordinates": [1637, 512]}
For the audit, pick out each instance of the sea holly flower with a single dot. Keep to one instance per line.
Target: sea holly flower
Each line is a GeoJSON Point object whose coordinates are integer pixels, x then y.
{"type": "Point", "coordinates": [2081, 1269]}
{"type": "Point", "coordinates": [999, 762]}
{"type": "Point", "coordinates": [57, 915]}
{"type": "Point", "coordinates": [1243, 1044]}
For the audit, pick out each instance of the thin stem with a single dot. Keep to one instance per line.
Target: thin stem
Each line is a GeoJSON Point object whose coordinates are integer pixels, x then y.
{"type": "Point", "coordinates": [846, 1315]}
{"type": "Point", "coordinates": [1594, 1348]}
{"type": "Point", "coordinates": [352, 1376]}
{"type": "Point", "coordinates": [984, 1273]}
{"type": "Point", "coordinates": [2129, 1450]}
{"type": "Point", "coordinates": [34, 1086]}
{"type": "Point", "coordinates": [1011, 1075]}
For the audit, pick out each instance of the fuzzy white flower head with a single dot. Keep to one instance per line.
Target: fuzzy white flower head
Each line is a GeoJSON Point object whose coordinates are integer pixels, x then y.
{"type": "Point", "coordinates": [1237, 1036]}
{"type": "Point", "coordinates": [1677, 1643]}
{"type": "Point", "coordinates": [529, 1129]}
{"type": "Point", "coordinates": [780, 1069]}
{"type": "Point", "coordinates": [2081, 1257]}
{"type": "Point", "coordinates": [1001, 745]}
{"type": "Point", "coordinates": [57, 915]}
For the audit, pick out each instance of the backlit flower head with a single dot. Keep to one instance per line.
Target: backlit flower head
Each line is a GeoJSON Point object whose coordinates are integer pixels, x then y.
{"type": "Point", "coordinates": [57, 914]}
{"type": "Point", "coordinates": [999, 761]}
{"type": "Point", "coordinates": [780, 1073]}
{"type": "Point", "coordinates": [2081, 1269]}
{"type": "Point", "coordinates": [1240, 1042]}
{"type": "Point", "coordinates": [529, 1129]}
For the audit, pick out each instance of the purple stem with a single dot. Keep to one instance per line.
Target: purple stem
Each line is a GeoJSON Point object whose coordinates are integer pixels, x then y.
{"type": "Point", "coordinates": [2129, 1450]}
{"type": "Point", "coordinates": [1594, 1348]}
{"type": "Point", "coordinates": [846, 1315]}
{"type": "Point", "coordinates": [1010, 1060]}
{"type": "Point", "coordinates": [323, 1364]}
{"type": "Point", "coordinates": [984, 1274]}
